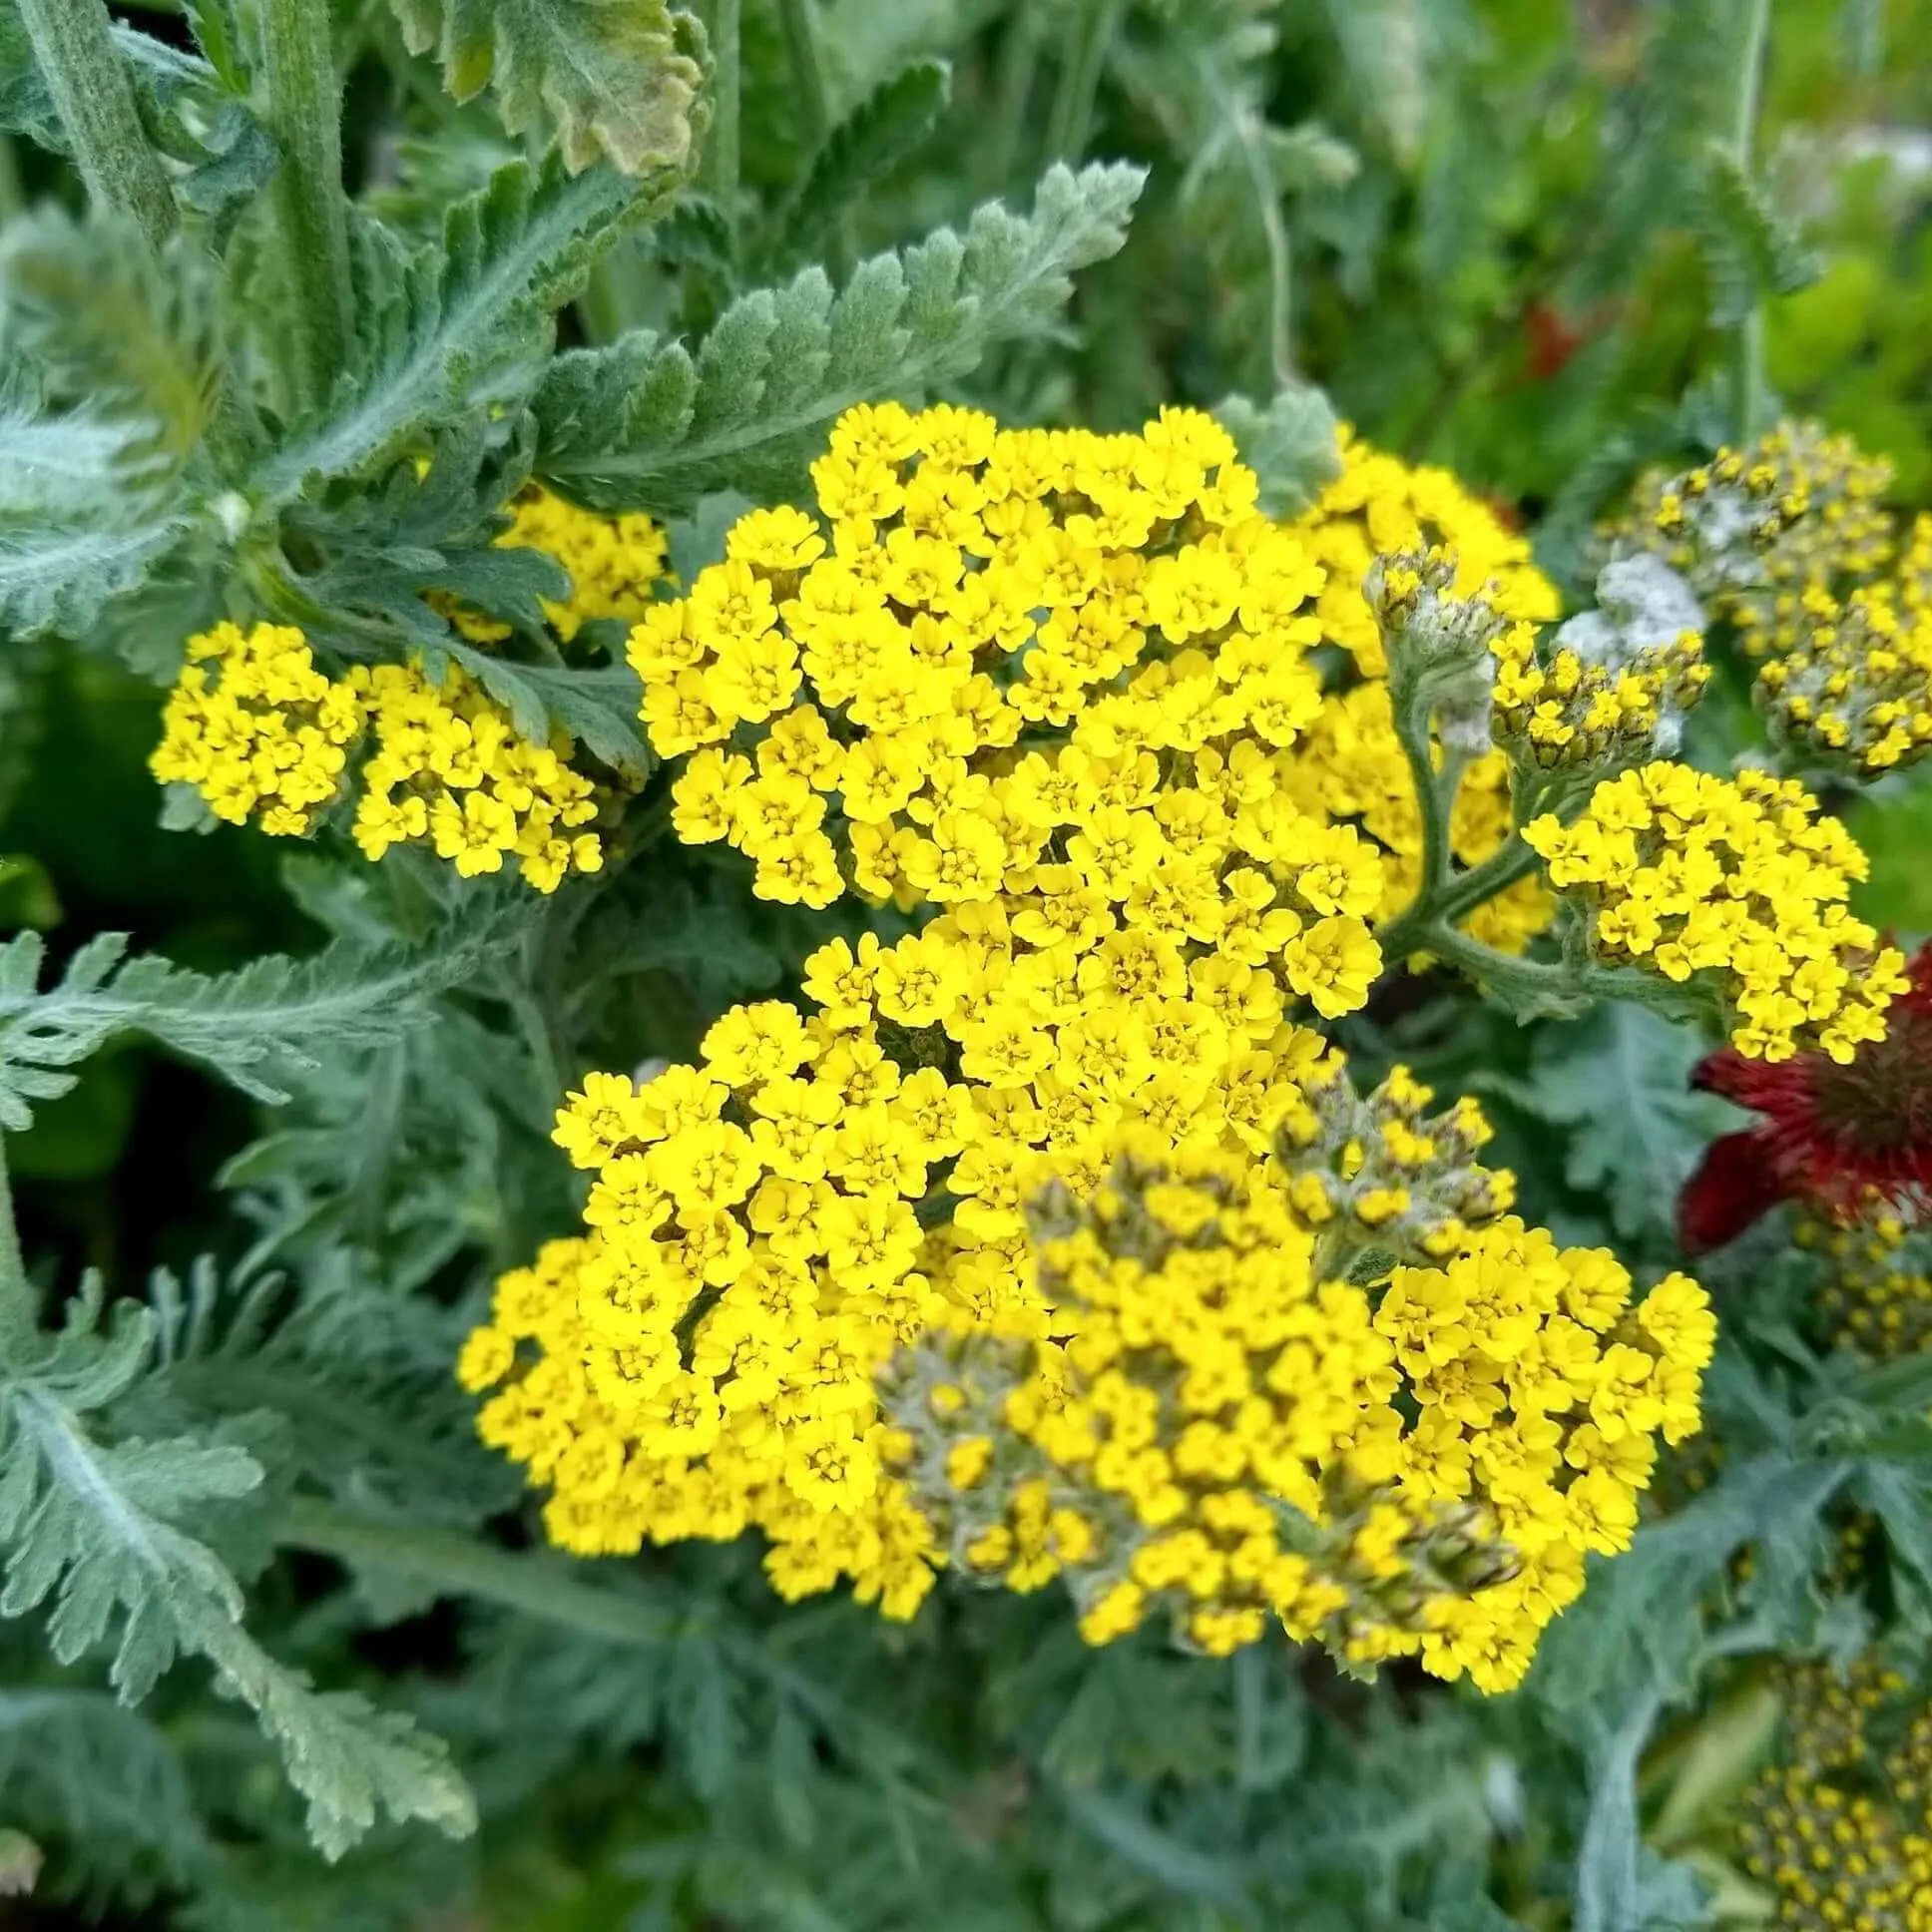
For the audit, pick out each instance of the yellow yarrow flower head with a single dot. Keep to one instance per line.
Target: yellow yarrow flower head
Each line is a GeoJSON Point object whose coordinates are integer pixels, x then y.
{"type": "Point", "coordinates": [615, 563]}
{"type": "Point", "coordinates": [1836, 1828]}
{"type": "Point", "coordinates": [1738, 878]}
{"type": "Point", "coordinates": [450, 768]}
{"type": "Point", "coordinates": [1218, 1434]}
{"type": "Point", "coordinates": [256, 728]}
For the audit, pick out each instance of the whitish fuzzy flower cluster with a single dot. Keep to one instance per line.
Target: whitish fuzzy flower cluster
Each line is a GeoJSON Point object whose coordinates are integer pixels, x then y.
{"type": "Point", "coordinates": [1218, 1434]}
{"type": "Point", "coordinates": [1838, 1831]}
{"type": "Point", "coordinates": [1752, 529]}
{"type": "Point", "coordinates": [1737, 877]}
{"type": "Point", "coordinates": [260, 732]}
{"type": "Point", "coordinates": [1612, 686]}
{"type": "Point", "coordinates": [992, 645]}
{"type": "Point", "coordinates": [1790, 543]}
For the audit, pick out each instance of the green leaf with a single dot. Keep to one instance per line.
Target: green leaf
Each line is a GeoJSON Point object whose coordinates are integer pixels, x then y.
{"type": "Point", "coordinates": [161, 75]}
{"type": "Point", "coordinates": [645, 423]}
{"type": "Point", "coordinates": [273, 1011]}
{"type": "Point", "coordinates": [881, 132]}
{"type": "Point", "coordinates": [98, 1530]}
{"type": "Point", "coordinates": [597, 707]}
{"type": "Point", "coordinates": [457, 325]}
{"type": "Point", "coordinates": [1751, 251]}
{"type": "Point", "coordinates": [56, 577]}
{"type": "Point", "coordinates": [1292, 445]}
{"type": "Point", "coordinates": [1619, 1081]}
{"type": "Point", "coordinates": [609, 74]}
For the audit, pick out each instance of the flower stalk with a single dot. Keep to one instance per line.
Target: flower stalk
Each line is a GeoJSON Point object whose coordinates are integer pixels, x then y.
{"type": "Point", "coordinates": [303, 112]}
{"type": "Point", "coordinates": [73, 41]}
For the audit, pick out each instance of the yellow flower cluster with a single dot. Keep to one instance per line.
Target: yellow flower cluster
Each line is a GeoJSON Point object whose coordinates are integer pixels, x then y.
{"type": "Point", "coordinates": [757, 1329]}
{"type": "Point", "coordinates": [1221, 1432]}
{"type": "Point", "coordinates": [449, 766]}
{"type": "Point", "coordinates": [996, 647]}
{"type": "Point", "coordinates": [1557, 709]}
{"type": "Point", "coordinates": [1838, 1829]}
{"type": "Point", "coordinates": [613, 563]}
{"type": "Point", "coordinates": [256, 729]}
{"type": "Point", "coordinates": [1739, 877]}
{"type": "Point", "coordinates": [1875, 1297]}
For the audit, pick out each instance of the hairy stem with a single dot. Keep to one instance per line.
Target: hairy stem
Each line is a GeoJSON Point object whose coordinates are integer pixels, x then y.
{"type": "Point", "coordinates": [724, 156]}
{"type": "Point", "coordinates": [17, 1311]}
{"type": "Point", "coordinates": [807, 71]}
{"type": "Point", "coordinates": [304, 114]}
{"type": "Point", "coordinates": [460, 1565]}
{"type": "Point", "coordinates": [1747, 374]}
{"type": "Point", "coordinates": [1072, 120]}
{"type": "Point", "coordinates": [73, 43]}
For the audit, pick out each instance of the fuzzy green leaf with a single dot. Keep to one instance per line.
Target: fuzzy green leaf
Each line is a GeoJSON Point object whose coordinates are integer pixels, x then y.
{"type": "Point", "coordinates": [1621, 1083]}
{"type": "Point", "coordinates": [645, 423]}
{"type": "Point", "coordinates": [1292, 445]}
{"type": "Point", "coordinates": [881, 133]}
{"type": "Point", "coordinates": [597, 707]}
{"type": "Point", "coordinates": [243, 1025]}
{"type": "Point", "coordinates": [1751, 251]}
{"type": "Point", "coordinates": [609, 74]}
{"type": "Point", "coordinates": [99, 1529]}
{"type": "Point", "coordinates": [457, 324]}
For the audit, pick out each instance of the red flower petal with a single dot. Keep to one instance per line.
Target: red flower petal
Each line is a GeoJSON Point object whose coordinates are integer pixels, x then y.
{"type": "Point", "coordinates": [1736, 1184]}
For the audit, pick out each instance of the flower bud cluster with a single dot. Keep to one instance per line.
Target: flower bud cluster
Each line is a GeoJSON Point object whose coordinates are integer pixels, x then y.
{"type": "Point", "coordinates": [1799, 508]}
{"type": "Point", "coordinates": [1611, 688]}
{"type": "Point", "coordinates": [1837, 1829]}
{"type": "Point", "coordinates": [1876, 1294]}
{"type": "Point", "coordinates": [1853, 688]}
{"type": "Point", "coordinates": [1370, 1170]}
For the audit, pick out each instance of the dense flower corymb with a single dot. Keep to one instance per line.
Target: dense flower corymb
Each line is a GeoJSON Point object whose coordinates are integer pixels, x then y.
{"type": "Point", "coordinates": [1738, 877]}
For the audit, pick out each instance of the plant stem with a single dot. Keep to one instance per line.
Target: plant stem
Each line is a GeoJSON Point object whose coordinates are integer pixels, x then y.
{"type": "Point", "coordinates": [808, 73]}
{"type": "Point", "coordinates": [1071, 122]}
{"type": "Point", "coordinates": [1748, 376]}
{"type": "Point", "coordinates": [304, 114]}
{"type": "Point", "coordinates": [724, 157]}
{"type": "Point", "coordinates": [462, 1566]}
{"type": "Point", "coordinates": [73, 41]}
{"type": "Point", "coordinates": [1274, 234]}
{"type": "Point", "coordinates": [17, 1311]}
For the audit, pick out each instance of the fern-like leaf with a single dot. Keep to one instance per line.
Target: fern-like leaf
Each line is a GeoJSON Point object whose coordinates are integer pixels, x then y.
{"type": "Point", "coordinates": [881, 132]}
{"type": "Point", "coordinates": [98, 1531]}
{"type": "Point", "coordinates": [1751, 250]}
{"type": "Point", "coordinates": [457, 324]}
{"type": "Point", "coordinates": [645, 423]}
{"type": "Point", "coordinates": [1292, 445]}
{"type": "Point", "coordinates": [241, 1023]}
{"type": "Point", "coordinates": [610, 75]}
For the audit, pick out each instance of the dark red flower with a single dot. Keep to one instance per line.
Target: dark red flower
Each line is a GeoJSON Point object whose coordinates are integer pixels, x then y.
{"type": "Point", "coordinates": [1831, 1135]}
